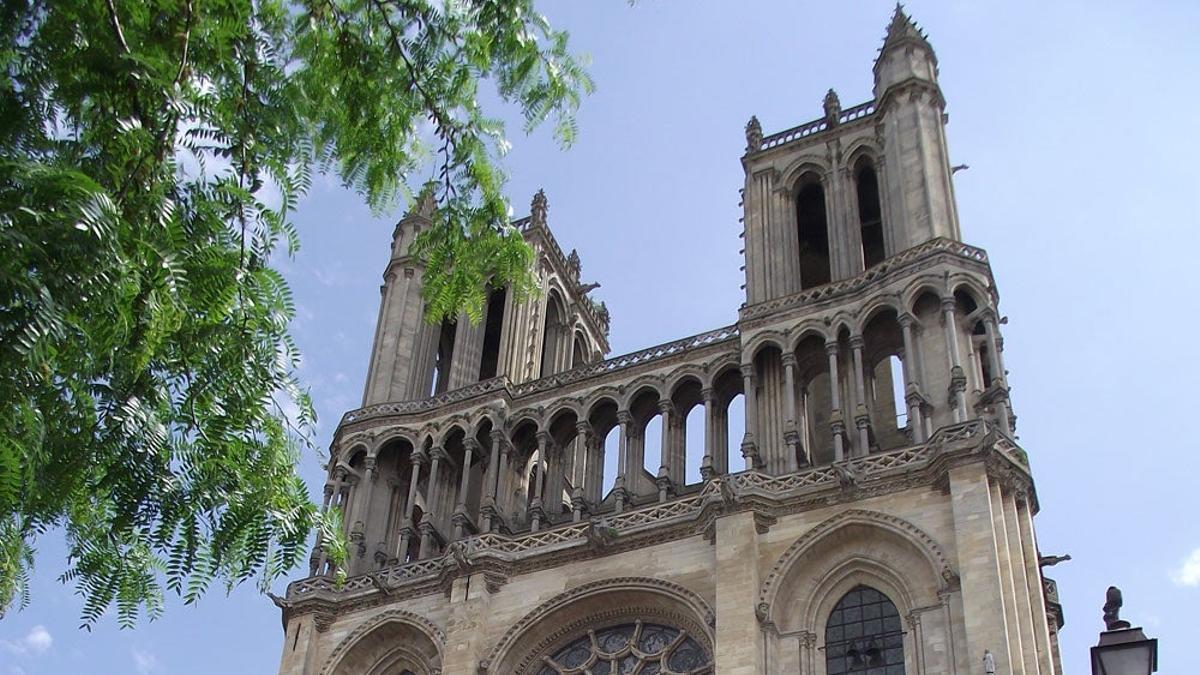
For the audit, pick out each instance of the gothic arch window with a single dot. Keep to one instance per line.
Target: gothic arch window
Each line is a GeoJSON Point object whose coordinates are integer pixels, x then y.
{"type": "Point", "coordinates": [637, 647]}
{"type": "Point", "coordinates": [493, 329]}
{"type": "Point", "coordinates": [869, 213]}
{"type": "Point", "coordinates": [812, 231]}
{"type": "Point", "coordinates": [863, 635]}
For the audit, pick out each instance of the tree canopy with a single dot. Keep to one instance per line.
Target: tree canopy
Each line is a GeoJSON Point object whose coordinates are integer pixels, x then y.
{"type": "Point", "coordinates": [150, 155]}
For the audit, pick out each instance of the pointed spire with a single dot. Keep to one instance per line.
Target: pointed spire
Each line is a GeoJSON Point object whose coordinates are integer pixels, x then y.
{"type": "Point", "coordinates": [902, 29]}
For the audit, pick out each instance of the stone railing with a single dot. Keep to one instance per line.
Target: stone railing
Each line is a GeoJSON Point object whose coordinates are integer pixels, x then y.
{"type": "Point", "coordinates": [689, 510]}
{"type": "Point", "coordinates": [494, 384]}
{"type": "Point", "coordinates": [630, 360]}
{"type": "Point", "coordinates": [890, 265]}
{"type": "Point", "coordinates": [815, 126]}
{"type": "Point", "coordinates": [577, 374]}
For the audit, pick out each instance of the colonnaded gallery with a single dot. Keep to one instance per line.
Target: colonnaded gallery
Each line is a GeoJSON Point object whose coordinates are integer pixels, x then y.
{"type": "Point", "coordinates": [870, 532]}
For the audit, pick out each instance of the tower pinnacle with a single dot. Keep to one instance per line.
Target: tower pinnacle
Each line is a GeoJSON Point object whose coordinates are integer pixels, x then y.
{"type": "Point", "coordinates": [902, 28]}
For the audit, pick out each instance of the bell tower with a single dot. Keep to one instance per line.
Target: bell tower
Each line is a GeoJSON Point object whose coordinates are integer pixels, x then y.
{"type": "Point", "coordinates": [558, 328]}
{"type": "Point", "coordinates": [830, 198]}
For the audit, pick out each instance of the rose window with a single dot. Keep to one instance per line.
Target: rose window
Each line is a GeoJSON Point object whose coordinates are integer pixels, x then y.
{"type": "Point", "coordinates": [630, 649]}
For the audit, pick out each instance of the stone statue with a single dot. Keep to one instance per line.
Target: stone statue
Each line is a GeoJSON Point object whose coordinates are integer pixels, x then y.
{"type": "Point", "coordinates": [833, 108]}
{"type": "Point", "coordinates": [754, 134]}
{"type": "Point", "coordinates": [574, 265]}
{"type": "Point", "coordinates": [1112, 610]}
{"type": "Point", "coordinates": [989, 662]}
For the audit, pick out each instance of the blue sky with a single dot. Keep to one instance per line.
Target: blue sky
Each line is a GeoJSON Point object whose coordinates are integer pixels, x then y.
{"type": "Point", "coordinates": [1078, 122]}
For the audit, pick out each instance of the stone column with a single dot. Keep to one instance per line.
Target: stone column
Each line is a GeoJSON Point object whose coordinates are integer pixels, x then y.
{"type": "Point", "coordinates": [669, 465]}
{"type": "Point", "coordinates": [738, 632]}
{"type": "Point", "coordinates": [621, 493]}
{"type": "Point", "coordinates": [504, 490]}
{"type": "Point", "coordinates": [1023, 609]}
{"type": "Point", "coordinates": [749, 441]}
{"type": "Point", "coordinates": [707, 466]}
{"type": "Point", "coordinates": [979, 565]}
{"type": "Point", "coordinates": [958, 379]}
{"type": "Point", "coordinates": [837, 424]}
{"type": "Point", "coordinates": [1037, 598]}
{"type": "Point", "coordinates": [487, 510]}
{"type": "Point", "coordinates": [1008, 588]}
{"type": "Point", "coordinates": [552, 500]}
{"type": "Point", "coordinates": [912, 388]}
{"type": "Point", "coordinates": [581, 478]}
{"type": "Point", "coordinates": [461, 517]}
{"type": "Point", "coordinates": [408, 529]}
{"type": "Point", "coordinates": [536, 511]}
{"type": "Point", "coordinates": [436, 454]}
{"type": "Point", "coordinates": [999, 379]}
{"type": "Point", "coordinates": [791, 433]}
{"type": "Point", "coordinates": [862, 414]}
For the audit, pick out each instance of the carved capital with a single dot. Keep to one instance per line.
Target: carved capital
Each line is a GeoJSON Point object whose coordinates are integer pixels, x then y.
{"type": "Point", "coordinates": [857, 342]}
{"type": "Point", "coordinates": [831, 348]}
{"type": "Point", "coordinates": [708, 394]}
{"type": "Point", "coordinates": [624, 417]}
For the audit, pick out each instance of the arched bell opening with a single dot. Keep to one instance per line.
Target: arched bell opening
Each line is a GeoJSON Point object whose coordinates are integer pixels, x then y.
{"type": "Point", "coordinates": [885, 387]}
{"type": "Point", "coordinates": [493, 331]}
{"type": "Point", "coordinates": [812, 232]}
{"type": "Point", "coordinates": [814, 402]}
{"type": "Point", "coordinates": [870, 215]}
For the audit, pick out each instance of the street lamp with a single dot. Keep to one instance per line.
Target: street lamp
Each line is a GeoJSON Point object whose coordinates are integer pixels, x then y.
{"type": "Point", "coordinates": [1122, 650]}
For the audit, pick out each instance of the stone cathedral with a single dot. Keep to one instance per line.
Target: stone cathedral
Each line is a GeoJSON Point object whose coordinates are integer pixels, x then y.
{"type": "Point", "coordinates": [882, 523]}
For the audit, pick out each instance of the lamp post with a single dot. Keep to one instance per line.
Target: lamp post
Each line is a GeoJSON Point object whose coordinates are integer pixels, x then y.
{"type": "Point", "coordinates": [1122, 650]}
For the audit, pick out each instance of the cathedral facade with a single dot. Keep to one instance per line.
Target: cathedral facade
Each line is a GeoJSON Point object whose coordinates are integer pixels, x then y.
{"type": "Point", "coordinates": [873, 514]}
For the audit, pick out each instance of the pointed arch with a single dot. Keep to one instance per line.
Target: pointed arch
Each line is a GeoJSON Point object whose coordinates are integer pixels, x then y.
{"type": "Point", "coordinates": [395, 638]}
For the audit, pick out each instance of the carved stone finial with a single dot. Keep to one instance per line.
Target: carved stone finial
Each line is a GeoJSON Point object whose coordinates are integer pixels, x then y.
{"type": "Point", "coordinates": [538, 208]}
{"type": "Point", "coordinates": [425, 203]}
{"type": "Point", "coordinates": [833, 108]}
{"type": "Point", "coordinates": [1112, 610]}
{"type": "Point", "coordinates": [754, 135]}
{"type": "Point", "coordinates": [574, 265]}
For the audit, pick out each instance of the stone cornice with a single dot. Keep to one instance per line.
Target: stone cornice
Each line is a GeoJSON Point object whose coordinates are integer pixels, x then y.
{"type": "Point", "coordinates": [692, 513]}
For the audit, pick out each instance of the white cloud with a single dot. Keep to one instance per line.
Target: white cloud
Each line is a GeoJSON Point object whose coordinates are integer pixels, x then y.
{"type": "Point", "coordinates": [143, 662]}
{"type": "Point", "coordinates": [1188, 573]}
{"type": "Point", "coordinates": [36, 641]}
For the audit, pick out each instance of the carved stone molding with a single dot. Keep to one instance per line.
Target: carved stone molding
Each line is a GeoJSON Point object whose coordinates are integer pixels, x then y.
{"type": "Point", "coordinates": [923, 542]}
{"type": "Point", "coordinates": [435, 634]}
{"type": "Point", "coordinates": [703, 617]}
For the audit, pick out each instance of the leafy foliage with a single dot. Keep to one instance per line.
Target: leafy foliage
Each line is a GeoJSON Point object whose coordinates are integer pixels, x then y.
{"type": "Point", "coordinates": [150, 155]}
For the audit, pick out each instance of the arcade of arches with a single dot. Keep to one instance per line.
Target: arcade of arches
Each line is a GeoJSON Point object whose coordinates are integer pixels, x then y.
{"type": "Point", "coordinates": [830, 486]}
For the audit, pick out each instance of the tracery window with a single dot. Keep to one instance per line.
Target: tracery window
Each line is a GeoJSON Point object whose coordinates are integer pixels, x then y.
{"type": "Point", "coordinates": [863, 635]}
{"type": "Point", "coordinates": [630, 649]}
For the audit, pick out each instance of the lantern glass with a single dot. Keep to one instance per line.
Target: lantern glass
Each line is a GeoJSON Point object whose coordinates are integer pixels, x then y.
{"type": "Point", "coordinates": [1130, 658]}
